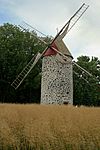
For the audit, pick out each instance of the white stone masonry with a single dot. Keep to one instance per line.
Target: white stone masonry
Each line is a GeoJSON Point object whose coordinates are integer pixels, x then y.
{"type": "Point", "coordinates": [57, 80]}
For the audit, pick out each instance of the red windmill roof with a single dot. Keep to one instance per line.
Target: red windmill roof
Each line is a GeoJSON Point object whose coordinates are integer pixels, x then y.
{"type": "Point", "coordinates": [51, 51]}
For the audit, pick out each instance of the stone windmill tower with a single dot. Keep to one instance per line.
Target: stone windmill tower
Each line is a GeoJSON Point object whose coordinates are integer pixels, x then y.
{"type": "Point", "coordinates": [57, 74]}
{"type": "Point", "coordinates": [57, 70]}
{"type": "Point", "coordinates": [57, 66]}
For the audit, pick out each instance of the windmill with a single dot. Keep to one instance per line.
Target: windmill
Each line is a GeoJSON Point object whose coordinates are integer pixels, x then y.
{"type": "Point", "coordinates": [57, 66]}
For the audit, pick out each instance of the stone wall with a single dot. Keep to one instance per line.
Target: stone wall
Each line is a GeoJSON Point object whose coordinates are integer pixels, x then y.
{"type": "Point", "coordinates": [57, 80]}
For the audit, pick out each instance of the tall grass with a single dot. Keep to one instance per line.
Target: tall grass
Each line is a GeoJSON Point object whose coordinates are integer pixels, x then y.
{"type": "Point", "coordinates": [50, 127]}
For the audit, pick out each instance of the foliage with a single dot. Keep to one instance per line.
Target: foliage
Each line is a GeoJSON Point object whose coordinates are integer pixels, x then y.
{"type": "Point", "coordinates": [87, 88]}
{"type": "Point", "coordinates": [17, 47]}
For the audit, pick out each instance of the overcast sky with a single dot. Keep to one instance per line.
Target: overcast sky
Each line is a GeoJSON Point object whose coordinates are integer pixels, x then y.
{"type": "Point", "coordinates": [48, 15]}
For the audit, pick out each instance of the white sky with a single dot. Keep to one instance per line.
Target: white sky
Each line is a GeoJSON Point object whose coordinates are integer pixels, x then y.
{"type": "Point", "coordinates": [48, 15]}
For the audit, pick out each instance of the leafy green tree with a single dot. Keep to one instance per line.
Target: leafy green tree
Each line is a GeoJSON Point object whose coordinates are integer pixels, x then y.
{"type": "Point", "coordinates": [17, 47]}
{"type": "Point", "coordinates": [86, 88]}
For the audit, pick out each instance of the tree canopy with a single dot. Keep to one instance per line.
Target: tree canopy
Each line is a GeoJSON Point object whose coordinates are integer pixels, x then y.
{"type": "Point", "coordinates": [17, 47]}
{"type": "Point", "coordinates": [86, 88]}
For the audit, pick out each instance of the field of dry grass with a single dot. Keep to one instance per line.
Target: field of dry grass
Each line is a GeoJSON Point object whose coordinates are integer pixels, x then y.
{"type": "Point", "coordinates": [39, 127]}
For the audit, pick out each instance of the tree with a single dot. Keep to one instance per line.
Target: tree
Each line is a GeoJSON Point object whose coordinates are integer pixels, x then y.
{"type": "Point", "coordinates": [17, 47]}
{"type": "Point", "coordinates": [86, 88]}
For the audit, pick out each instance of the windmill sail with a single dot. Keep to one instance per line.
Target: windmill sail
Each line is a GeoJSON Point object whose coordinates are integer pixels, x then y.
{"type": "Point", "coordinates": [16, 83]}
{"type": "Point", "coordinates": [80, 76]}
{"type": "Point", "coordinates": [65, 29]}
{"type": "Point", "coordinates": [73, 61]}
{"type": "Point", "coordinates": [71, 22]}
{"type": "Point", "coordinates": [31, 28]}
